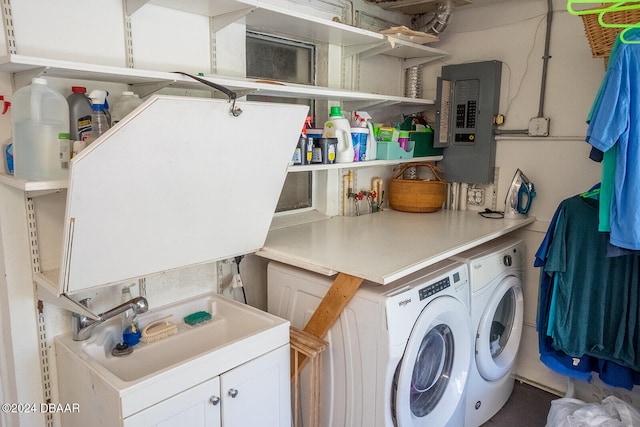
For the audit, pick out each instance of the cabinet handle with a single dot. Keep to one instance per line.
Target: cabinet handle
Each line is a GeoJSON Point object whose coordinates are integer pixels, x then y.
{"type": "Point", "coordinates": [214, 400]}
{"type": "Point", "coordinates": [233, 392]}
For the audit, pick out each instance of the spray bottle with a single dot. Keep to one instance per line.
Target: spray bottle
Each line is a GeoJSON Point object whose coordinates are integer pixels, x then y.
{"type": "Point", "coordinates": [99, 120]}
{"type": "Point", "coordinates": [371, 152]}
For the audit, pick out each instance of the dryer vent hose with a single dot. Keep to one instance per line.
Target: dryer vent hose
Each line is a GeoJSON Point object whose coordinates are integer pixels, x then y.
{"type": "Point", "coordinates": [441, 19]}
{"type": "Point", "coordinates": [413, 82]}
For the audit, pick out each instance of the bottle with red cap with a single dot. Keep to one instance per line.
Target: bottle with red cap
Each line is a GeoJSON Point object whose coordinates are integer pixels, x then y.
{"type": "Point", "coordinates": [79, 114]}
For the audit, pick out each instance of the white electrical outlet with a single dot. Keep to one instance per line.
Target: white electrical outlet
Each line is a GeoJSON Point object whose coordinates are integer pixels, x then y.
{"type": "Point", "coordinates": [475, 196]}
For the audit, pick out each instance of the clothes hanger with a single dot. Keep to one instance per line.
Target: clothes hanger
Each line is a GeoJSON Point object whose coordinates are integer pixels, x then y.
{"type": "Point", "coordinates": [616, 6]}
{"type": "Point", "coordinates": [623, 35]}
{"type": "Point", "coordinates": [592, 193]}
{"type": "Point", "coordinates": [613, 7]}
{"type": "Point", "coordinates": [626, 27]}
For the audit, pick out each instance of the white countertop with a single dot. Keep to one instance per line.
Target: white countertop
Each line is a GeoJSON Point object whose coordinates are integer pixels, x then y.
{"type": "Point", "coordinates": [385, 246]}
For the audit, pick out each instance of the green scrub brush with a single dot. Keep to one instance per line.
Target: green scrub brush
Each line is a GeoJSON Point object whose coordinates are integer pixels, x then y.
{"type": "Point", "coordinates": [197, 318]}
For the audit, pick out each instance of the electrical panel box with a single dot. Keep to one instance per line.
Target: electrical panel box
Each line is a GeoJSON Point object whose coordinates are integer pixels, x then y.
{"type": "Point", "coordinates": [467, 102]}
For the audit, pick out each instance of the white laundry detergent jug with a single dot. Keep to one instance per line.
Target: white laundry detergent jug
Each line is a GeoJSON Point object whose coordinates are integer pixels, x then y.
{"type": "Point", "coordinates": [340, 128]}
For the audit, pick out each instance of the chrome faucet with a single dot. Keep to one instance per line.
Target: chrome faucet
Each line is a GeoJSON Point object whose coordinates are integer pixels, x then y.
{"type": "Point", "coordinates": [82, 326]}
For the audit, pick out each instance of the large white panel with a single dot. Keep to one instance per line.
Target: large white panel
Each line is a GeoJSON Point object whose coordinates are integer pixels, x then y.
{"type": "Point", "coordinates": [178, 182]}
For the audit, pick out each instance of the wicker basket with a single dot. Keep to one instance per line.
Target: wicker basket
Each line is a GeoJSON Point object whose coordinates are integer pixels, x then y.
{"type": "Point", "coordinates": [416, 195]}
{"type": "Point", "coordinates": [601, 39]}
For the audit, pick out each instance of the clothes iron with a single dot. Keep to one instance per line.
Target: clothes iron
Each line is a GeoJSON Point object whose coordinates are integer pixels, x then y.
{"type": "Point", "coordinates": [519, 196]}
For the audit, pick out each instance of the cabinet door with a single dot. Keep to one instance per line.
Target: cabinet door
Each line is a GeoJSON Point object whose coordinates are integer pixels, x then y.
{"type": "Point", "coordinates": [258, 392]}
{"type": "Point", "coordinates": [179, 182]}
{"type": "Point", "coordinates": [198, 406]}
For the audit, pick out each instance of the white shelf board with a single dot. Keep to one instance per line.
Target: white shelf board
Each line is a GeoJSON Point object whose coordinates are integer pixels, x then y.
{"type": "Point", "coordinates": [356, 165]}
{"type": "Point", "coordinates": [281, 21]}
{"type": "Point", "coordinates": [34, 186]}
{"type": "Point", "coordinates": [403, 49]}
{"type": "Point", "coordinates": [269, 18]}
{"type": "Point", "coordinates": [266, 17]}
{"type": "Point", "coordinates": [44, 187]}
{"type": "Point", "coordinates": [199, 7]}
{"type": "Point", "coordinates": [25, 67]}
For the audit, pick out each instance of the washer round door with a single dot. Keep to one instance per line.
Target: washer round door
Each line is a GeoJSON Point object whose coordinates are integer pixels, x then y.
{"type": "Point", "coordinates": [431, 377]}
{"type": "Point", "coordinates": [500, 329]}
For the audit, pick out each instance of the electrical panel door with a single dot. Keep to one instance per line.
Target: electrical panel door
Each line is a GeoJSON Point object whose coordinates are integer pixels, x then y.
{"type": "Point", "coordinates": [467, 103]}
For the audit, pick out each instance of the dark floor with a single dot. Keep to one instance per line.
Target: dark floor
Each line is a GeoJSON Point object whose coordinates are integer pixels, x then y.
{"type": "Point", "coordinates": [528, 406]}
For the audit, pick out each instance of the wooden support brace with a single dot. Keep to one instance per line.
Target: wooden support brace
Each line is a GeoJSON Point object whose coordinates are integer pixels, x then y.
{"type": "Point", "coordinates": [342, 289]}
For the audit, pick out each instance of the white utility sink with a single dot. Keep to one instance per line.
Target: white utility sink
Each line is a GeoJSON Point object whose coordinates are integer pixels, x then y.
{"type": "Point", "coordinates": [230, 324]}
{"type": "Point", "coordinates": [236, 334]}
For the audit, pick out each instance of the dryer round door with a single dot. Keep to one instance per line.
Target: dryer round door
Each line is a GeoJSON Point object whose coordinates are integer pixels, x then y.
{"type": "Point", "coordinates": [500, 329]}
{"type": "Point", "coordinates": [431, 377]}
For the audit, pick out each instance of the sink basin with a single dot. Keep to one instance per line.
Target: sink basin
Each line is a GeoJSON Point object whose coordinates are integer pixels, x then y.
{"type": "Point", "coordinates": [232, 323]}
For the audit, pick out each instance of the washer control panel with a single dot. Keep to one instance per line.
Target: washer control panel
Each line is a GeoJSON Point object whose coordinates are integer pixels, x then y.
{"type": "Point", "coordinates": [439, 286]}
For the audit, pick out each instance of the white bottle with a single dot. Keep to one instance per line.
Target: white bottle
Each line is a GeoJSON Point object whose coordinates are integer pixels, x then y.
{"type": "Point", "coordinates": [39, 115]}
{"type": "Point", "coordinates": [340, 128]}
{"type": "Point", "coordinates": [128, 102]}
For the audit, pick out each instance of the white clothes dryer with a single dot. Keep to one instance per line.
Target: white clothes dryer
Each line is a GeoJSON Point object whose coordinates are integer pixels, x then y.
{"type": "Point", "coordinates": [495, 276]}
{"type": "Point", "coordinates": [398, 355]}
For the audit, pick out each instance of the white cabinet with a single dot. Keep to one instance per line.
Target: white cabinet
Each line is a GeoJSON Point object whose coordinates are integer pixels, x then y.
{"type": "Point", "coordinates": [258, 392]}
{"type": "Point", "coordinates": [253, 394]}
{"type": "Point", "coordinates": [197, 407]}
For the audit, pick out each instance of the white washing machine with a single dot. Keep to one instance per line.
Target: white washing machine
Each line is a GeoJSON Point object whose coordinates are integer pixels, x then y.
{"type": "Point", "coordinates": [399, 354]}
{"type": "Point", "coordinates": [495, 276]}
